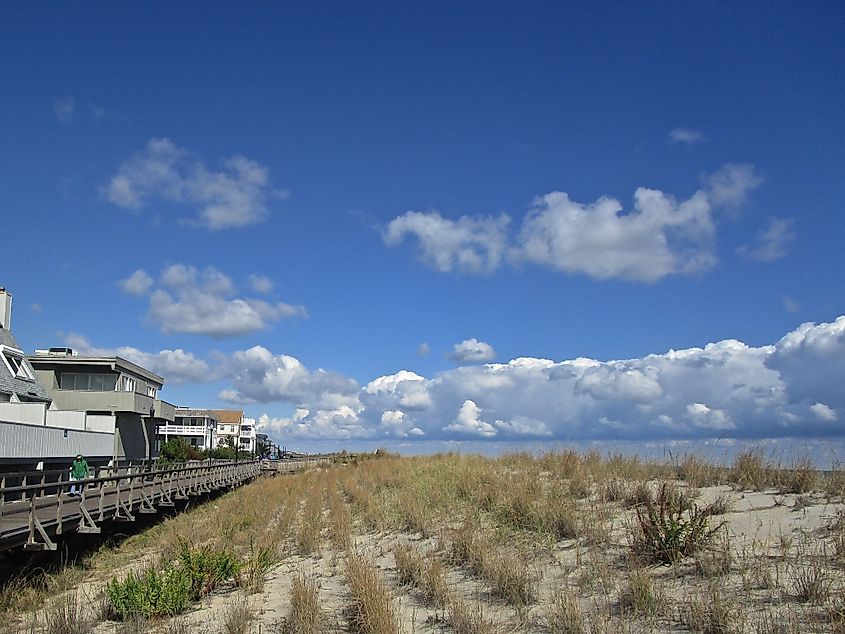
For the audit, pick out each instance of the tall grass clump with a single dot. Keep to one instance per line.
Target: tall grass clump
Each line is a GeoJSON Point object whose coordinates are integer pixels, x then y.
{"type": "Point", "coordinates": [237, 616]}
{"type": "Point", "coordinates": [370, 611]}
{"type": "Point", "coordinates": [711, 613]}
{"type": "Point", "coordinates": [67, 616]}
{"type": "Point", "coordinates": [304, 615]}
{"type": "Point", "coordinates": [564, 615]}
{"type": "Point", "coordinates": [751, 470]}
{"type": "Point", "coordinates": [465, 619]}
{"type": "Point", "coordinates": [640, 596]}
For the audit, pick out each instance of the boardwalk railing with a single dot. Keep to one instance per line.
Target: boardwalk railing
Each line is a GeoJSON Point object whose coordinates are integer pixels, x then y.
{"type": "Point", "coordinates": [39, 507]}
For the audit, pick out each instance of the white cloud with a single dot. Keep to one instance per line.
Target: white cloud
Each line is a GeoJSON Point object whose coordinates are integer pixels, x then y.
{"type": "Point", "coordinates": [685, 135]}
{"type": "Point", "coordinates": [811, 362]}
{"type": "Point", "coordinates": [823, 411]}
{"type": "Point", "coordinates": [261, 284]}
{"type": "Point", "coordinates": [175, 366]}
{"type": "Point", "coordinates": [469, 422]}
{"type": "Point", "coordinates": [259, 376]}
{"type": "Point", "coordinates": [235, 196]}
{"type": "Point", "coordinates": [469, 245]}
{"type": "Point", "coordinates": [472, 351]}
{"type": "Point", "coordinates": [729, 185]}
{"type": "Point", "coordinates": [771, 243]}
{"type": "Point", "coordinates": [660, 236]}
{"type": "Point", "coordinates": [139, 283]}
{"type": "Point", "coordinates": [64, 109]}
{"type": "Point", "coordinates": [725, 389]}
{"type": "Point", "coordinates": [424, 350]}
{"type": "Point", "coordinates": [204, 302]}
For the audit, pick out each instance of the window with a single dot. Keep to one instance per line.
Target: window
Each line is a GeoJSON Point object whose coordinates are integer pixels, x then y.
{"type": "Point", "coordinates": [127, 383]}
{"type": "Point", "coordinates": [151, 391]}
{"type": "Point", "coordinates": [231, 429]}
{"type": "Point", "coordinates": [87, 382]}
{"type": "Point", "coordinates": [13, 358]}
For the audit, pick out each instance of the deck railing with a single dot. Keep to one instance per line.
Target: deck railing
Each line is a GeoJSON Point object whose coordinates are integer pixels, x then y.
{"type": "Point", "coordinates": [35, 506]}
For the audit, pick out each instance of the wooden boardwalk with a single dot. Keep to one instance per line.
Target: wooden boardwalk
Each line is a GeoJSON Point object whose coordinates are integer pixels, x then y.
{"type": "Point", "coordinates": [34, 516]}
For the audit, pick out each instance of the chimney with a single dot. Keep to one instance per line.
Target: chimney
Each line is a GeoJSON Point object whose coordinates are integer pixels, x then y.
{"type": "Point", "coordinates": [5, 309]}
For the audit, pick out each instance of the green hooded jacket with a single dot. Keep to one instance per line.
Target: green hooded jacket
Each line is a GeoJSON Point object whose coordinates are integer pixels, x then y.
{"type": "Point", "coordinates": [79, 468]}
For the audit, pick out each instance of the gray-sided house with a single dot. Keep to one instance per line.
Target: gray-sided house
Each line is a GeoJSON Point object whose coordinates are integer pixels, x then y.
{"type": "Point", "coordinates": [198, 427]}
{"type": "Point", "coordinates": [110, 386]}
{"type": "Point", "coordinates": [33, 431]}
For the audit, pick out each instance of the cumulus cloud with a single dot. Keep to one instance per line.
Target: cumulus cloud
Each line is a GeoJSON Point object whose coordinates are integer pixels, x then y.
{"type": "Point", "coordinates": [687, 136]}
{"type": "Point", "coordinates": [469, 422]}
{"type": "Point", "coordinates": [235, 196]}
{"type": "Point", "coordinates": [660, 236]}
{"type": "Point", "coordinates": [811, 362]}
{"type": "Point", "coordinates": [469, 245]}
{"type": "Point", "coordinates": [725, 389]}
{"type": "Point", "coordinates": [205, 302]}
{"type": "Point", "coordinates": [259, 376]}
{"type": "Point", "coordinates": [823, 412]}
{"type": "Point", "coordinates": [175, 366]}
{"type": "Point", "coordinates": [771, 243]}
{"type": "Point", "coordinates": [472, 351]}
{"type": "Point", "coordinates": [139, 283]}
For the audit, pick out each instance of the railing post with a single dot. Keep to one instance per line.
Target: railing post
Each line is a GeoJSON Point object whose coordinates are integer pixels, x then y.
{"type": "Point", "coordinates": [2, 500]}
{"type": "Point", "coordinates": [59, 507]}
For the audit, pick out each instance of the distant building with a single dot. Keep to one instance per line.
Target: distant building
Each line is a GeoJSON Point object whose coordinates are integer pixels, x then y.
{"type": "Point", "coordinates": [34, 431]}
{"type": "Point", "coordinates": [198, 427]}
{"type": "Point", "coordinates": [233, 429]}
{"type": "Point", "coordinates": [248, 435]}
{"type": "Point", "coordinates": [228, 426]}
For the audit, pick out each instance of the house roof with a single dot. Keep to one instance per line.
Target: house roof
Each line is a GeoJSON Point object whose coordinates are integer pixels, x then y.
{"type": "Point", "coordinates": [199, 413]}
{"type": "Point", "coordinates": [115, 363]}
{"type": "Point", "coordinates": [229, 416]}
{"type": "Point", "coordinates": [25, 389]}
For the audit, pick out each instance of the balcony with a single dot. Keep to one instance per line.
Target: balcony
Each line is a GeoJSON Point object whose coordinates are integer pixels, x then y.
{"type": "Point", "coordinates": [182, 430]}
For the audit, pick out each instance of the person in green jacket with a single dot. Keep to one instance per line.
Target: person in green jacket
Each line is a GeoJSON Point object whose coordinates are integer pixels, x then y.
{"type": "Point", "coordinates": [78, 471]}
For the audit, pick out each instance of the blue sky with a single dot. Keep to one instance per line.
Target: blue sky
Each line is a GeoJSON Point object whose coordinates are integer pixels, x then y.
{"type": "Point", "coordinates": [348, 220]}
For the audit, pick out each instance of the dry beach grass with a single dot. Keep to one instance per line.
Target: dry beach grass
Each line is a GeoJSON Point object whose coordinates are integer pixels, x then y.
{"type": "Point", "coordinates": [560, 542]}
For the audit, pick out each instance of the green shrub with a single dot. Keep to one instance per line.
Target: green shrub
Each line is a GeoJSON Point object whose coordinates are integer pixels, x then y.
{"type": "Point", "coordinates": [669, 529]}
{"type": "Point", "coordinates": [168, 592]}
{"type": "Point", "coordinates": [150, 594]}
{"type": "Point", "coordinates": [206, 568]}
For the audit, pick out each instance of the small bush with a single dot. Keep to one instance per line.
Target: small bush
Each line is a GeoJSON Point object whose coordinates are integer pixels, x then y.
{"type": "Point", "coordinates": [150, 594]}
{"type": "Point", "coordinates": [168, 592]}
{"type": "Point", "coordinates": [667, 530]}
